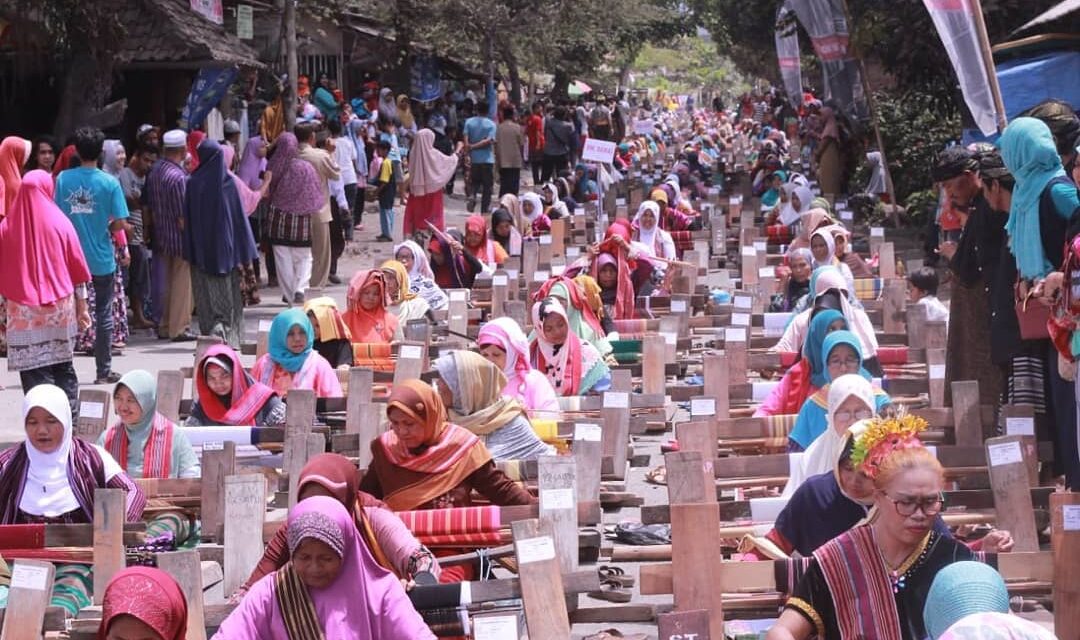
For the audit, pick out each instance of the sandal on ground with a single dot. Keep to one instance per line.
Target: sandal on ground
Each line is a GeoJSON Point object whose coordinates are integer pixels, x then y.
{"type": "Point", "coordinates": [657, 476]}
{"type": "Point", "coordinates": [609, 573]}
{"type": "Point", "coordinates": [611, 591]}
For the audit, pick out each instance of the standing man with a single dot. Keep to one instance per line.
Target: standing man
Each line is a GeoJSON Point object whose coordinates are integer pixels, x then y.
{"type": "Point", "coordinates": [94, 202]}
{"type": "Point", "coordinates": [509, 143]}
{"type": "Point", "coordinates": [534, 129]}
{"type": "Point", "coordinates": [133, 181]}
{"type": "Point", "coordinates": [479, 134]}
{"type": "Point", "coordinates": [327, 170]}
{"type": "Point", "coordinates": [341, 227]}
{"type": "Point", "coordinates": [165, 187]}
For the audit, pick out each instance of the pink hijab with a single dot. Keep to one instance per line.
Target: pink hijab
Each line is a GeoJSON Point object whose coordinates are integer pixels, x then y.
{"type": "Point", "coordinates": [14, 152]}
{"type": "Point", "coordinates": [507, 335]}
{"type": "Point", "coordinates": [365, 601]}
{"type": "Point", "coordinates": [429, 168]}
{"type": "Point", "coordinates": [43, 256]}
{"type": "Point", "coordinates": [249, 199]}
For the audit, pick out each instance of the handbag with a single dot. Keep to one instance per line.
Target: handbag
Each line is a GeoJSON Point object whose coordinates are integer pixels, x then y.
{"type": "Point", "coordinates": [288, 229]}
{"type": "Point", "coordinates": [1032, 315]}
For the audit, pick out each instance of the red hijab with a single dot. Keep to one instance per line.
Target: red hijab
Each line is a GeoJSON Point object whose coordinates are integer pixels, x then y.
{"type": "Point", "coordinates": [487, 250]}
{"type": "Point", "coordinates": [39, 245]}
{"type": "Point", "coordinates": [14, 152]}
{"type": "Point", "coordinates": [63, 161]}
{"type": "Point", "coordinates": [149, 595]}
{"type": "Point", "coordinates": [194, 139]}
{"type": "Point", "coordinates": [376, 325]}
{"type": "Point", "coordinates": [624, 297]}
{"type": "Point", "coordinates": [247, 396]}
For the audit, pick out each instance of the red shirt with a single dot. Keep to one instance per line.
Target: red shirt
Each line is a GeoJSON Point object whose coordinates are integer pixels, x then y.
{"type": "Point", "coordinates": [534, 129]}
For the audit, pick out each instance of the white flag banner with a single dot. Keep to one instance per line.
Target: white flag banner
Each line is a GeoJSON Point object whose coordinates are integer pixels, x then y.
{"type": "Point", "coordinates": [955, 23]}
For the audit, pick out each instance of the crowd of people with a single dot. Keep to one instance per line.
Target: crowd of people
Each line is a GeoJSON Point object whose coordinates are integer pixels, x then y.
{"type": "Point", "coordinates": [94, 232]}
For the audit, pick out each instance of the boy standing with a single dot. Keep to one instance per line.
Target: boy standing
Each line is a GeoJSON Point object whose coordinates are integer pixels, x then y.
{"type": "Point", "coordinates": [386, 191]}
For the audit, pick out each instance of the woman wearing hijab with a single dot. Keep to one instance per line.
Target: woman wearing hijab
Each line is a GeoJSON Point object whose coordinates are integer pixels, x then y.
{"type": "Point", "coordinates": [113, 157]}
{"type": "Point", "coordinates": [471, 387]}
{"type": "Point", "coordinates": [808, 374]}
{"type": "Point", "coordinates": [252, 172]}
{"type": "Point", "coordinates": [454, 266]}
{"type": "Point", "coordinates": [504, 231]}
{"type": "Point", "coordinates": [145, 443]}
{"type": "Point", "coordinates": [534, 219]}
{"type": "Point", "coordinates": [572, 365]}
{"type": "Point", "coordinates": [612, 270]}
{"type": "Point", "coordinates": [250, 199]}
{"type": "Point", "coordinates": [829, 155]}
{"type": "Point", "coordinates": [841, 354]}
{"type": "Point", "coordinates": [333, 340]}
{"type": "Point", "coordinates": [477, 242]}
{"type": "Point", "coordinates": [228, 395]}
{"type": "Point", "coordinates": [390, 542]}
{"type": "Point", "coordinates": [429, 171]}
{"type": "Point", "coordinates": [425, 462]}
{"type": "Point", "coordinates": [291, 361]}
{"type": "Point", "coordinates": [14, 152]}
{"type": "Point", "coordinates": [586, 317]}
{"type": "Point", "coordinates": [504, 344]}
{"type": "Point", "coordinates": [68, 159]}
{"type": "Point", "coordinates": [656, 242]}
{"type": "Point", "coordinates": [404, 304]}
{"type": "Point", "coordinates": [823, 248]}
{"type": "Point", "coordinates": [367, 316]}
{"type": "Point", "coordinates": [970, 601]}
{"type": "Point", "coordinates": [295, 194]}
{"type": "Point", "coordinates": [421, 277]}
{"type": "Point", "coordinates": [44, 286]}
{"type": "Point", "coordinates": [795, 281]}
{"type": "Point", "coordinates": [407, 130]}
{"type": "Point", "coordinates": [217, 242]}
{"type": "Point", "coordinates": [332, 587]}
{"type": "Point", "coordinates": [143, 602]}
{"type": "Point", "coordinates": [809, 222]}
{"type": "Point", "coordinates": [844, 253]}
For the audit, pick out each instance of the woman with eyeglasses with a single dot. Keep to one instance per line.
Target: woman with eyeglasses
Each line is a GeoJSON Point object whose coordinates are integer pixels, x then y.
{"type": "Point", "coordinates": [872, 581]}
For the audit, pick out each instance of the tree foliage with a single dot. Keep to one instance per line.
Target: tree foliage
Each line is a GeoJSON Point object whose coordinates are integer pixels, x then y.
{"type": "Point", "coordinates": [687, 64]}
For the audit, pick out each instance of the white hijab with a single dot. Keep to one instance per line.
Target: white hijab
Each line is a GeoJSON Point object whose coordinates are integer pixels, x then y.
{"type": "Point", "coordinates": [421, 267]}
{"type": "Point", "coordinates": [648, 236]}
{"type": "Point", "coordinates": [535, 202]}
{"type": "Point", "coordinates": [821, 456]}
{"type": "Point", "coordinates": [47, 491]}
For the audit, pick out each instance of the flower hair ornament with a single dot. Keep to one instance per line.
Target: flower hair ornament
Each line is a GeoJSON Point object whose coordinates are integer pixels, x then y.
{"type": "Point", "coordinates": [883, 436]}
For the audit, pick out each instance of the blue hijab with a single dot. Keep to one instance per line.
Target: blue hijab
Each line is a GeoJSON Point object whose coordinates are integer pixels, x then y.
{"type": "Point", "coordinates": [815, 342]}
{"type": "Point", "coordinates": [278, 342]}
{"type": "Point", "coordinates": [216, 237]}
{"type": "Point", "coordinates": [834, 340]}
{"type": "Point", "coordinates": [1027, 147]}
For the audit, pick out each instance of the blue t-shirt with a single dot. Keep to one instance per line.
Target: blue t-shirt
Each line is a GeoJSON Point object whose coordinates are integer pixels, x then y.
{"type": "Point", "coordinates": [477, 129]}
{"type": "Point", "coordinates": [91, 199]}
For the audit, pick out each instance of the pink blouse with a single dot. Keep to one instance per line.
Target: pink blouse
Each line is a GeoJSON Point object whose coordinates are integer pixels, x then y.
{"type": "Point", "coordinates": [316, 374]}
{"type": "Point", "coordinates": [535, 392]}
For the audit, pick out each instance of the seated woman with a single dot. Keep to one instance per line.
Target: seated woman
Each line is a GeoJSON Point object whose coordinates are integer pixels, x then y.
{"type": "Point", "coordinates": [895, 558]}
{"type": "Point", "coordinates": [421, 277]}
{"type": "Point", "coordinates": [556, 200]}
{"type": "Point", "coordinates": [145, 443]}
{"type": "Point", "coordinates": [291, 361]}
{"type": "Point", "coordinates": [504, 231]}
{"type": "Point", "coordinates": [823, 247]}
{"type": "Point", "coordinates": [585, 188]}
{"type": "Point", "coordinates": [619, 280]}
{"type": "Point", "coordinates": [653, 245]}
{"type": "Point", "coordinates": [969, 600]}
{"type": "Point", "coordinates": [372, 325]}
{"type": "Point", "coordinates": [405, 304]}
{"type": "Point", "coordinates": [453, 265]}
{"type": "Point", "coordinates": [471, 387]}
{"type": "Point", "coordinates": [534, 218]}
{"type": "Point", "coordinates": [671, 217]}
{"type": "Point", "coordinates": [425, 462]}
{"type": "Point", "coordinates": [333, 340]}
{"type": "Point", "coordinates": [844, 253]}
{"type": "Point", "coordinates": [387, 538]}
{"type": "Point", "coordinates": [794, 280]}
{"type": "Point", "coordinates": [228, 395]}
{"type": "Point", "coordinates": [807, 375]}
{"type": "Point", "coordinates": [842, 356]}
{"type": "Point", "coordinates": [332, 587]}
{"type": "Point", "coordinates": [810, 220]}
{"type": "Point", "coordinates": [572, 365]}
{"type": "Point", "coordinates": [51, 478]}
{"type": "Point", "coordinates": [144, 603]}
{"type": "Point", "coordinates": [586, 316]}
{"type": "Point", "coordinates": [477, 242]}
{"type": "Point", "coordinates": [504, 344]}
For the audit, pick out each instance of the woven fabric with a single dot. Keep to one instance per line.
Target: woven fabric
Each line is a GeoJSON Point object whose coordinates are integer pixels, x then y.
{"type": "Point", "coordinates": [892, 356]}
{"type": "Point", "coordinates": [684, 240]}
{"type": "Point", "coordinates": [868, 288]}
{"type": "Point", "coordinates": [22, 536]}
{"type": "Point", "coordinates": [297, 609]}
{"type": "Point", "coordinates": [374, 356]}
{"type": "Point", "coordinates": [462, 520]}
{"type": "Point", "coordinates": [778, 234]}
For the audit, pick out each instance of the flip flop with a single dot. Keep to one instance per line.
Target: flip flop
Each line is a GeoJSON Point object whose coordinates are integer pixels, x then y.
{"type": "Point", "coordinates": [657, 476]}
{"type": "Point", "coordinates": [609, 573]}
{"type": "Point", "coordinates": [611, 591]}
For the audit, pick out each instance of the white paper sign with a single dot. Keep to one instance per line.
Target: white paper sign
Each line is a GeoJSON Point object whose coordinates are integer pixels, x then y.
{"type": "Point", "coordinates": [1020, 426]}
{"type": "Point", "coordinates": [736, 199]}
{"type": "Point", "coordinates": [557, 499]}
{"type": "Point", "coordinates": [91, 409]}
{"type": "Point", "coordinates": [620, 202]}
{"type": "Point", "coordinates": [877, 232]}
{"type": "Point", "coordinates": [1070, 519]}
{"type": "Point", "coordinates": [535, 549]}
{"type": "Point", "coordinates": [740, 319]}
{"type": "Point", "coordinates": [588, 432]}
{"type": "Point", "coordinates": [743, 303]}
{"type": "Point", "coordinates": [264, 325]}
{"type": "Point", "coordinates": [702, 407]}
{"type": "Point", "coordinates": [541, 276]}
{"type": "Point", "coordinates": [759, 391]}
{"type": "Point", "coordinates": [678, 306]}
{"type": "Point", "coordinates": [25, 576]}
{"type": "Point", "coordinates": [766, 273]}
{"type": "Point", "coordinates": [458, 295]}
{"type": "Point", "coordinates": [775, 323]}
{"type": "Point", "coordinates": [499, 280]}
{"type": "Point", "coordinates": [749, 252]}
{"type": "Point", "coordinates": [495, 628]}
{"type": "Point", "coordinates": [670, 339]}
{"type": "Point", "coordinates": [643, 127]}
{"type": "Point", "coordinates": [579, 211]}
{"type": "Point", "coordinates": [761, 245]}
{"type": "Point", "coordinates": [513, 273]}
{"type": "Point", "coordinates": [545, 239]}
{"type": "Point", "coordinates": [557, 270]}
{"type": "Point", "coordinates": [735, 335]}
{"type": "Point", "coordinates": [846, 215]}
{"type": "Point", "coordinates": [616, 400]}
{"type": "Point", "coordinates": [213, 446]}
{"type": "Point", "coordinates": [1005, 453]}
{"type": "Point", "coordinates": [598, 150]}
{"type": "Point", "coordinates": [937, 371]}
{"type": "Point", "coordinates": [411, 352]}
{"type": "Point", "coordinates": [573, 252]}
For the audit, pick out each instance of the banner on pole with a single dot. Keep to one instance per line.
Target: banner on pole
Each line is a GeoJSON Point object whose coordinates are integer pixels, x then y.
{"type": "Point", "coordinates": [955, 24]}
{"type": "Point", "coordinates": [827, 26]}
{"type": "Point", "coordinates": [787, 52]}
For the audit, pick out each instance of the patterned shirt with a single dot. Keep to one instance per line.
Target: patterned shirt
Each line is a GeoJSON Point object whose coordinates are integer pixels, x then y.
{"type": "Point", "coordinates": [165, 186]}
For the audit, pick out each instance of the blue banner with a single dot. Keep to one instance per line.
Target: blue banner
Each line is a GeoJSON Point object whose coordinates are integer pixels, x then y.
{"type": "Point", "coordinates": [426, 81]}
{"type": "Point", "coordinates": [206, 93]}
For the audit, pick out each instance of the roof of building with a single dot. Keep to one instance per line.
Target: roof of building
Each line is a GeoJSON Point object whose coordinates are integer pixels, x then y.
{"type": "Point", "coordinates": [168, 33]}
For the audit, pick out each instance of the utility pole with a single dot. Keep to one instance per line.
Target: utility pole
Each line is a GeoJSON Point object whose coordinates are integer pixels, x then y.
{"type": "Point", "coordinates": [292, 66]}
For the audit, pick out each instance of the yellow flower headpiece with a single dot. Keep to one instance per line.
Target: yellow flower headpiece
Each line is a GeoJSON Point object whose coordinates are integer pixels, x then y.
{"type": "Point", "coordinates": [883, 436]}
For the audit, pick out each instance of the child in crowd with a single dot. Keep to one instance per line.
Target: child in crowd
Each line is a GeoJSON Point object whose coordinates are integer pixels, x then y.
{"type": "Point", "coordinates": [386, 190]}
{"type": "Point", "coordinates": [922, 286]}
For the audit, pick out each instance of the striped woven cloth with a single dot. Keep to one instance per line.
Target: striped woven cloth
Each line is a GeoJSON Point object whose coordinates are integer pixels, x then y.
{"type": "Point", "coordinates": [778, 234]}
{"type": "Point", "coordinates": [779, 428]}
{"type": "Point", "coordinates": [868, 288]}
{"type": "Point", "coordinates": [684, 240]}
{"type": "Point", "coordinates": [373, 355]}
{"type": "Point", "coordinates": [892, 355]}
{"type": "Point", "coordinates": [463, 526]}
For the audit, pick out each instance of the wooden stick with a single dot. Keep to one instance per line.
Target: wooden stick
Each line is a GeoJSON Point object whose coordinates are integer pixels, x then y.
{"type": "Point", "coordinates": [31, 591]}
{"type": "Point", "coordinates": [109, 516]}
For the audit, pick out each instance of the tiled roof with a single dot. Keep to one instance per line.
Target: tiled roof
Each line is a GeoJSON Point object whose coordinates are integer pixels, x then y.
{"type": "Point", "coordinates": [168, 31]}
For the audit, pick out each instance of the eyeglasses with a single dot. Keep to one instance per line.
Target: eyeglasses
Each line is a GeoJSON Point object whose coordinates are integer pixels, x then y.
{"type": "Point", "coordinates": [908, 506]}
{"type": "Point", "coordinates": [859, 414]}
{"type": "Point", "coordinates": [845, 362]}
